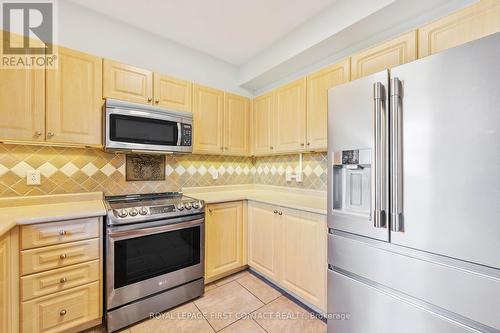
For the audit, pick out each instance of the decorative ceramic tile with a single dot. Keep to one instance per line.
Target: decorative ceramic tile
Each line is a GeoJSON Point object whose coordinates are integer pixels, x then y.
{"type": "Point", "coordinates": [68, 170]}
{"type": "Point", "coordinates": [145, 167]}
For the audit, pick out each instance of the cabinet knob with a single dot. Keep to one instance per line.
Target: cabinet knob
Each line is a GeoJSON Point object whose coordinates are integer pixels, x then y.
{"type": "Point", "coordinates": [271, 147]}
{"type": "Point", "coordinates": [62, 232]}
{"type": "Point", "coordinates": [63, 312]}
{"type": "Point", "coordinates": [302, 145]}
{"type": "Point", "coordinates": [149, 99]}
{"type": "Point", "coordinates": [210, 211]}
{"type": "Point", "coordinates": [280, 213]}
{"type": "Point", "coordinates": [157, 101]}
{"type": "Point", "coordinates": [308, 143]}
{"type": "Point", "coordinates": [63, 256]}
{"type": "Point", "coordinates": [275, 212]}
{"type": "Point", "coordinates": [50, 134]}
{"type": "Point", "coordinates": [63, 280]}
{"type": "Point", "coordinates": [38, 133]}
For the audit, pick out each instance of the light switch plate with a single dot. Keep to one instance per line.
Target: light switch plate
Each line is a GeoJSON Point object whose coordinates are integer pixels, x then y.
{"type": "Point", "coordinates": [33, 177]}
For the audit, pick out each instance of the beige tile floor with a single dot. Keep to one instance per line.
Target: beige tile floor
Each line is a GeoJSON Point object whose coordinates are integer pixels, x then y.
{"type": "Point", "coordinates": [240, 303]}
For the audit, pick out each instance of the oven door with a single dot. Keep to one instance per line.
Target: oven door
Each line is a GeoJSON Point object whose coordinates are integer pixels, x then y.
{"type": "Point", "coordinates": [143, 130]}
{"type": "Point", "coordinates": [147, 258]}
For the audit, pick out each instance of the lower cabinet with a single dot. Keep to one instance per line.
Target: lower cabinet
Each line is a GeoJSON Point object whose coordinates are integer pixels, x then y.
{"type": "Point", "coordinates": [8, 301]}
{"type": "Point", "coordinates": [289, 247]}
{"type": "Point", "coordinates": [225, 242]}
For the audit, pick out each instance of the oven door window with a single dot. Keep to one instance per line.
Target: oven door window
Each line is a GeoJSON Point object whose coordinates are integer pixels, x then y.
{"type": "Point", "coordinates": [143, 130]}
{"type": "Point", "coordinates": [141, 258]}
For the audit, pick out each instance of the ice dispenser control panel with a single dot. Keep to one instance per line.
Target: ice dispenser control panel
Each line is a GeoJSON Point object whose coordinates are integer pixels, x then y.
{"type": "Point", "coordinates": [352, 181]}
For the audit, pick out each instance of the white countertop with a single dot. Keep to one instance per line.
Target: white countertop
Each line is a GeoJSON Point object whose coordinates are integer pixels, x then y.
{"type": "Point", "coordinates": [307, 200]}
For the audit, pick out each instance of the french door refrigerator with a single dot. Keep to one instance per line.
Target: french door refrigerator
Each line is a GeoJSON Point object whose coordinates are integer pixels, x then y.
{"type": "Point", "coordinates": [414, 196]}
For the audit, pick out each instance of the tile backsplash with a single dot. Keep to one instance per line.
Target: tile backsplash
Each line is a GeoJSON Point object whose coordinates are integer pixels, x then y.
{"type": "Point", "coordinates": [70, 170]}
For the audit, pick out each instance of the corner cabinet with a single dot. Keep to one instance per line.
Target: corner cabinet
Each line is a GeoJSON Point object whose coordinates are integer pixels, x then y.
{"type": "Point", "coordinates": [263, 108]}
{"type": "Point", "coordinates": [317, 101]}
{"type": "Point", "coordinates": [392, 53]}
{"type": "Point", "coordinates": [476, 21]}
{"type": "Point", "coordinates": [289, 247]}
{"type": "Point", "coordinates": [290, 117]}
{"type": "Point", "coordinates": [225, 246]}
{"type": "Point", "coordinates": [74, 99]}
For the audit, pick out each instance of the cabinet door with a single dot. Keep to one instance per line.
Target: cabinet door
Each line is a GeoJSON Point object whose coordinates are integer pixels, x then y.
{"type": "Point", "coordinates": [172, 93]}
{"type": "Point", "coordinates": [476, 21]}
{"type": "Point", "coordinates": [208, 108]}
{"type": "Point", "coordinates": [4, 283]}
{"type": "Point", "coordinates": [263, 107]}
{"type": "Point", "coordinates": [127, 83]}
{"type": "Point", "coordinates": [74, 99]}
{"type": "Point", "coordinates": [392, 53]}
{"type": "Point", "coordinates": [317, 101]}
{"type": "Point", "coordinates": [303, 269]}
{"type": "Point", "coordinates": [263, 240]}
{"type": "Point", "coordinates": [224, 238]}
{"type": "Point", "coordinates": [236, 124]}
{"type": "Point", "coordinates": [22, 102]}
{"type": "Point", "coordinates": [290, 117]}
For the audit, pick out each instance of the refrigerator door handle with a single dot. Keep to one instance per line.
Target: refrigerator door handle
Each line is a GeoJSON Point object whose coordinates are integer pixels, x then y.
{"type": "Point", "coordinates": [379, 161]}
{"type": "Point", "coordinates": [396, 156]}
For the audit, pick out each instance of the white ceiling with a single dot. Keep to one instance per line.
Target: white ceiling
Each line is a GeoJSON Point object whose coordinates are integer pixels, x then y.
{"type": "Point", "coordinates": [232, 30]}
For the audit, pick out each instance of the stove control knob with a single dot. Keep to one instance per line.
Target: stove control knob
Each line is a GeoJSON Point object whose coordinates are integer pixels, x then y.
{"type": "Point", "coordinates": [188, 205]}
{"type": "Point", "coordinates": [133, 212]}
{"type": "Point", "coordinates": [143, 211]}
{"type": "Point", "coordinates": [196, 204]}
{"type": "Point", "coordinates": [122, 213]}
{"type": "Point", "coordinates": [180, 206]}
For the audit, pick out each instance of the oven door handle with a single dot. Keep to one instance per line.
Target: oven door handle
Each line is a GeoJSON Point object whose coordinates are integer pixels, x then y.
{"type": "Point", "coordinates": [125, 234]}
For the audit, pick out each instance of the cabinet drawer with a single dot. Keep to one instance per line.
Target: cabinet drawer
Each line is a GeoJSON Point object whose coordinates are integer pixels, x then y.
{"type": "Point", "coordinates": [44, 234]}
{"type": "Point", "coordinates": [50, 282]}
{"type": "Point", "coordinates": [61, 311]}
{"type": "Point", "coordinates": [56, 256]}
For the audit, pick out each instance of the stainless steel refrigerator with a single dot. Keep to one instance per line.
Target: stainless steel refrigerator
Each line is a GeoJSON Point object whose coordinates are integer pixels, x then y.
{"type": "Point", "coordinates": [414, 196]}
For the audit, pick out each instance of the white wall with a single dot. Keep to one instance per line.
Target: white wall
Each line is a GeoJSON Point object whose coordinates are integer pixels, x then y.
{"type": "Point", "coordinates": [85, 30]}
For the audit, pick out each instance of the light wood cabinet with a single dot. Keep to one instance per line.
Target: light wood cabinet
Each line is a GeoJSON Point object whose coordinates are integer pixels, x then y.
{"type": "Point", "coordinates": [74, 99]}
{"type": "Point", "coordinates": [304, 267]}
{"type": "Point", "coordinates": [224, 244]}
{"type": "Point", "coordinates": [172, 93]}
{"type": "Point", "coordinates": [236, 125]}
{"type": "Point", "coordinates": [9, 286]}
{"type": "Point", "coordinates": [208, 113]}
{"type": "Point", "coordinates": [290, 117]}
{"type": "Point", "coordinates": [22, 101]}
{"type": "Point", "coordinates": [392, 53]}
{"type": "Point", "coordinates": [473, 22]}
{"type": "Point", "coordinates": [263, 108]}
{"type": "Point", "coordinates": [62, 311]}
{"type": "Point", "coordinates": [263, 240]}
{"type": "Point", "coordinates": [289, 247]}
{"type": "Point", "coordinates": [317, 101]}
{"type": "Point", "coordinates": [127, 82]}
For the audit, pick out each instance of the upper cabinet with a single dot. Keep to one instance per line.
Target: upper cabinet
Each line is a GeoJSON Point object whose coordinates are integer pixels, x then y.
{"type": "Point", "coordinates": [236, 124]}
{"type": "Point", "coordinates": [290, 117]}
{"type": "Point", "coordinates": [74, 100]}
{"type": "Point", "coordinates": [263, 107]}
{"type": "Point", "coordinates": [172, 93]}
{"type": "Point", "coordinates": [392, 53]}
{"type": "Point", "coordinates": [127, 83]}
{"type": "Point", "coordinates": [317, 101]}
{"type": "Point", "coordinates": [208, 113]}
{"type": "Point", "coordinates": [476, 21]}
{"type": "Point", "coordinates": [22, 102]}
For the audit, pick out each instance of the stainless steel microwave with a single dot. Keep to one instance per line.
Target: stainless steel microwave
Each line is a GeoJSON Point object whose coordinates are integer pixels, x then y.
{"type": "Point", "coordinates": [137, 128]}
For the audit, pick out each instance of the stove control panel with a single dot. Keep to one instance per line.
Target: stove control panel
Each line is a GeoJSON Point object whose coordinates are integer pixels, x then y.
{"type": "Point", "coordinates": [181, 207]}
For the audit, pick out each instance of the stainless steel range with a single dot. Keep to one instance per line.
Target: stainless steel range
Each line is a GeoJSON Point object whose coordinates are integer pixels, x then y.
{"type": "Point", "coordinates": [154, 251]}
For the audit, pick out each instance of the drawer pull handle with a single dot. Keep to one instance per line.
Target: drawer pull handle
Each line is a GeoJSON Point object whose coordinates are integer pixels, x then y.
{"type": "Point", "coordinates": [62, 232]}
{"type": "Point", "coordinates": [63, 256]}
{"type": "Point", "coordinates": [63, 280]}
{"type": "Point", "coordinates": [63, 312]}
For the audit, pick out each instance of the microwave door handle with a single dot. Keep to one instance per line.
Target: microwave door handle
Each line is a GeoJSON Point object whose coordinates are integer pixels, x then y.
{"type": "Point", "coordinates": [179, 134]}
{"type": "Point", "coordinates": [378, 164]}
{"type": "Point", "coordinates": [396, 155]}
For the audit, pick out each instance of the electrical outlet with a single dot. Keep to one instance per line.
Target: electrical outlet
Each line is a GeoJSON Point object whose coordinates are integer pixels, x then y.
{"type": "Point", "coordinates": [33, 177]}
{"type": "Point", "coordinates": [298, 177]}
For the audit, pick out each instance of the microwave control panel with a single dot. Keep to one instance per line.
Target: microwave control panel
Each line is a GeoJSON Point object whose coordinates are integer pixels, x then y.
{"type": "Point", "coordinates": [186, 135]}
